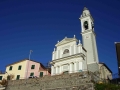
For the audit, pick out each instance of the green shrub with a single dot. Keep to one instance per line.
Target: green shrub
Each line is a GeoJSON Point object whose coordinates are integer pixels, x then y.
{"type": "Point", "coordinates": [107, 87]}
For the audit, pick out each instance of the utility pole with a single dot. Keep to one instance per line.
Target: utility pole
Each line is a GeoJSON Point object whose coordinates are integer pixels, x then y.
{"type": "Point", "coordinates": [28, 63]}
{"type": "Point", "coordinates": [30, 53]}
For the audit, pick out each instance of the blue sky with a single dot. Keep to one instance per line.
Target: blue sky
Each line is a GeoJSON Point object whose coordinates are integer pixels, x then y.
{"type": "Point", "coordinates": [39, 24]}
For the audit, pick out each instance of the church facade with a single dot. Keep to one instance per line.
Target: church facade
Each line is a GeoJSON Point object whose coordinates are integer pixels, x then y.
{"type": "Point", "coordinates": [70, 56]}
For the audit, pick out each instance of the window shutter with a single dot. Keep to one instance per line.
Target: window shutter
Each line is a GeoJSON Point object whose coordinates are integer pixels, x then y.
{"type": "Point", "coordinates": [32, 74]}
{"type": "Point", "coordinates": [0, 77]}
{"type": "Point", "coordinates": [10, 68]}
{"type": "Point", "coordinates": [41, 74]}
{"type": "Point", "coordinates": [19, 68]}
{"type": "Point", "coordinates": [33, 67]}
{"type": "Point", "coordinates": [18, 77]}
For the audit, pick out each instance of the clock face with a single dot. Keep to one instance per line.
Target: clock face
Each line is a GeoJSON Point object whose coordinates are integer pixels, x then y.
{"type": "Point", "coordinates": [87, 37]}
{"type": "Point", "coordinates": [86, 25]}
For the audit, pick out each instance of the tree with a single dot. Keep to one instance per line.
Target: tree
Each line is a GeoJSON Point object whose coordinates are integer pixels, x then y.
{"type": "Point", "coordinates": [4, 82]}
{"type": "Point", "coordinates": [10, 77]}
{"type": "Point", "coordinates": [107, 86]}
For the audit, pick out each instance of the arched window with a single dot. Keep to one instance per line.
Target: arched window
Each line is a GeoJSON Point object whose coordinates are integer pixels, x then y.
{"type": "Point", "coordinates": [66, 51]}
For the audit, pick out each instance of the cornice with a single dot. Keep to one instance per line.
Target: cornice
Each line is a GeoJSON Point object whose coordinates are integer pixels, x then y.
{"type": "Point", "coordinates": [60, 43]}
{"type": "Point", "coordinates": [88, 31]}
{"type": "Point", "coordinates": [68, 57]}
{"type": "Point", "coordinates": [87, 16]}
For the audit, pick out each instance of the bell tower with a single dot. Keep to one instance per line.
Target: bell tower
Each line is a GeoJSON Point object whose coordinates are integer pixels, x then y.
{"type": "Point", "coordinates": [89, 40]}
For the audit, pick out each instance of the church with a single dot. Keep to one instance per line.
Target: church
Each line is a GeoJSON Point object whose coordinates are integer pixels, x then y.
{"type": "Point", "coordinates": [71, 56]}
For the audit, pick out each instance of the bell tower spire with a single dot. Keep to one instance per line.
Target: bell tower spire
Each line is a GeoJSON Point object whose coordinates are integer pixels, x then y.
{"type": "Point", "coordinates": [85, 8]}
{"type": "Point", "coordinates": [87, 21]}
{"type": "Point", "coordinates": [89, 39]}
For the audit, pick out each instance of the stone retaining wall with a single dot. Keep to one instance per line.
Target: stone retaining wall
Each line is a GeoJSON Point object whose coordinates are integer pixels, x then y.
{"type": "Point", "coordinates": [74, 81]}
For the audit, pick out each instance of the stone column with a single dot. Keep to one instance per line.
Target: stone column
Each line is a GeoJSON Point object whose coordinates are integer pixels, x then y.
{"type": "Point", "coordinates": [90, 25]}
{"type": "Point", "coordinates": [74, 49]}
{"type": "Point", "coordinates": [80, 66]}
{"type": "Point", "coordinates": [56, 69]}
{"type": "Point", "coordinates": [52, 71]}
{"type": "Point", "coordinates": [70, 69]}
{"type": "Point", "coordinates": [75, 66]}
{"type": "Point", "coordinates": [59, 69]}
{"type": "Point", "coordinates": [56, 54]}
{"type": "Point", "coordinates": [70, 50]}
{"type": "Point", "coordinates": [79, 49]}
{"type": "Point", "coordinates": [60, 53]}
{"type": "Point", "coordinates": [53, 55]}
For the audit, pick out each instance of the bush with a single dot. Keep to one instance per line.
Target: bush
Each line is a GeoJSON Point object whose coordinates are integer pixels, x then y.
{"type": "Point", "coordinates": [4, 82]}
{"type": "Point", "coordinates": [107, 87]}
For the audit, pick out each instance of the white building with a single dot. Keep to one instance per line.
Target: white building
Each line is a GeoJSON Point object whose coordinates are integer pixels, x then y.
{"type": "Point", "coordinates": [71, 56]}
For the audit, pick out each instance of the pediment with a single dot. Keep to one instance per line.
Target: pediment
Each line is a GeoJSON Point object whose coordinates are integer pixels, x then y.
{"type": "Point", "coordinates": [66, 40]}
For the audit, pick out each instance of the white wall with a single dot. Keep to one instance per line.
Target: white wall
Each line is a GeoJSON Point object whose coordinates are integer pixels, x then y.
{"type": "Point", "coordinates": [104, 72]}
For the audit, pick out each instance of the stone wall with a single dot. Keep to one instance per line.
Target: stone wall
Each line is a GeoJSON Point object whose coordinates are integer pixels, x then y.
{"type": "Point", "coordinates": [74, 81]}
{"type": "Point", "coordinates": [93, 67]}
{"type": "Point", "coordinates": [2, 87]}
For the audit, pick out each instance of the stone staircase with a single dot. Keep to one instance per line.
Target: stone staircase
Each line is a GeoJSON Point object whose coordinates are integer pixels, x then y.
{"type": "Point", "coordinates": [2, 87]}
{"type": "Point", "coordinates": [73, 81]}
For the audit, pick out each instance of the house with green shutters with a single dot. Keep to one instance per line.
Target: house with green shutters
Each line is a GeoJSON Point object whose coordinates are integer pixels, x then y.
{"type": "Point", "coordinates": [24, 69]}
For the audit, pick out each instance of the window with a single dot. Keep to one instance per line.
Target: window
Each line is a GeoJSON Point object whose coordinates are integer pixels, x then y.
{"type": "Point", "coordinates": [31, 74]}
{"type": "Point", "coordinates": [41, 74]}
{"type": "Point", "coordinates": [1, 77]}
{"type": "Point", "coordinates": [66, 51]}
{"type": "Point", "coordinates": [10, 68]}
{"type": "Point", "coordinates": [33, 67]}
{"type": "Point", "coordinates": [18, 77]}
{"type": "Point", "coordinates": [86, 25]}
{"type": "Point", "coordinates": [19, 67]}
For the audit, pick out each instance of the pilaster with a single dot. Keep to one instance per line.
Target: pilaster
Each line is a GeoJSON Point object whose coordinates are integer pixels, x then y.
{"type": "Point", "coordinates": [70, 69]}
{"type": "Point", "coordinates": [56, 69]}
{"type": "Point", "coordinates": [75, 66]}
{"type": "Point", "coordinates": [52, 71]}
{"type": "Point", "coordinates": [53, 55]}
{"type": "Point", "coordinates": [80, 65]}
{"type": "Point", "coordinates": [74, 49]}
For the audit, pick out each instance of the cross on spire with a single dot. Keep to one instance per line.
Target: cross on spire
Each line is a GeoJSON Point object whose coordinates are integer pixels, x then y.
{"type": "Point", "coordinates": [85, 8]}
